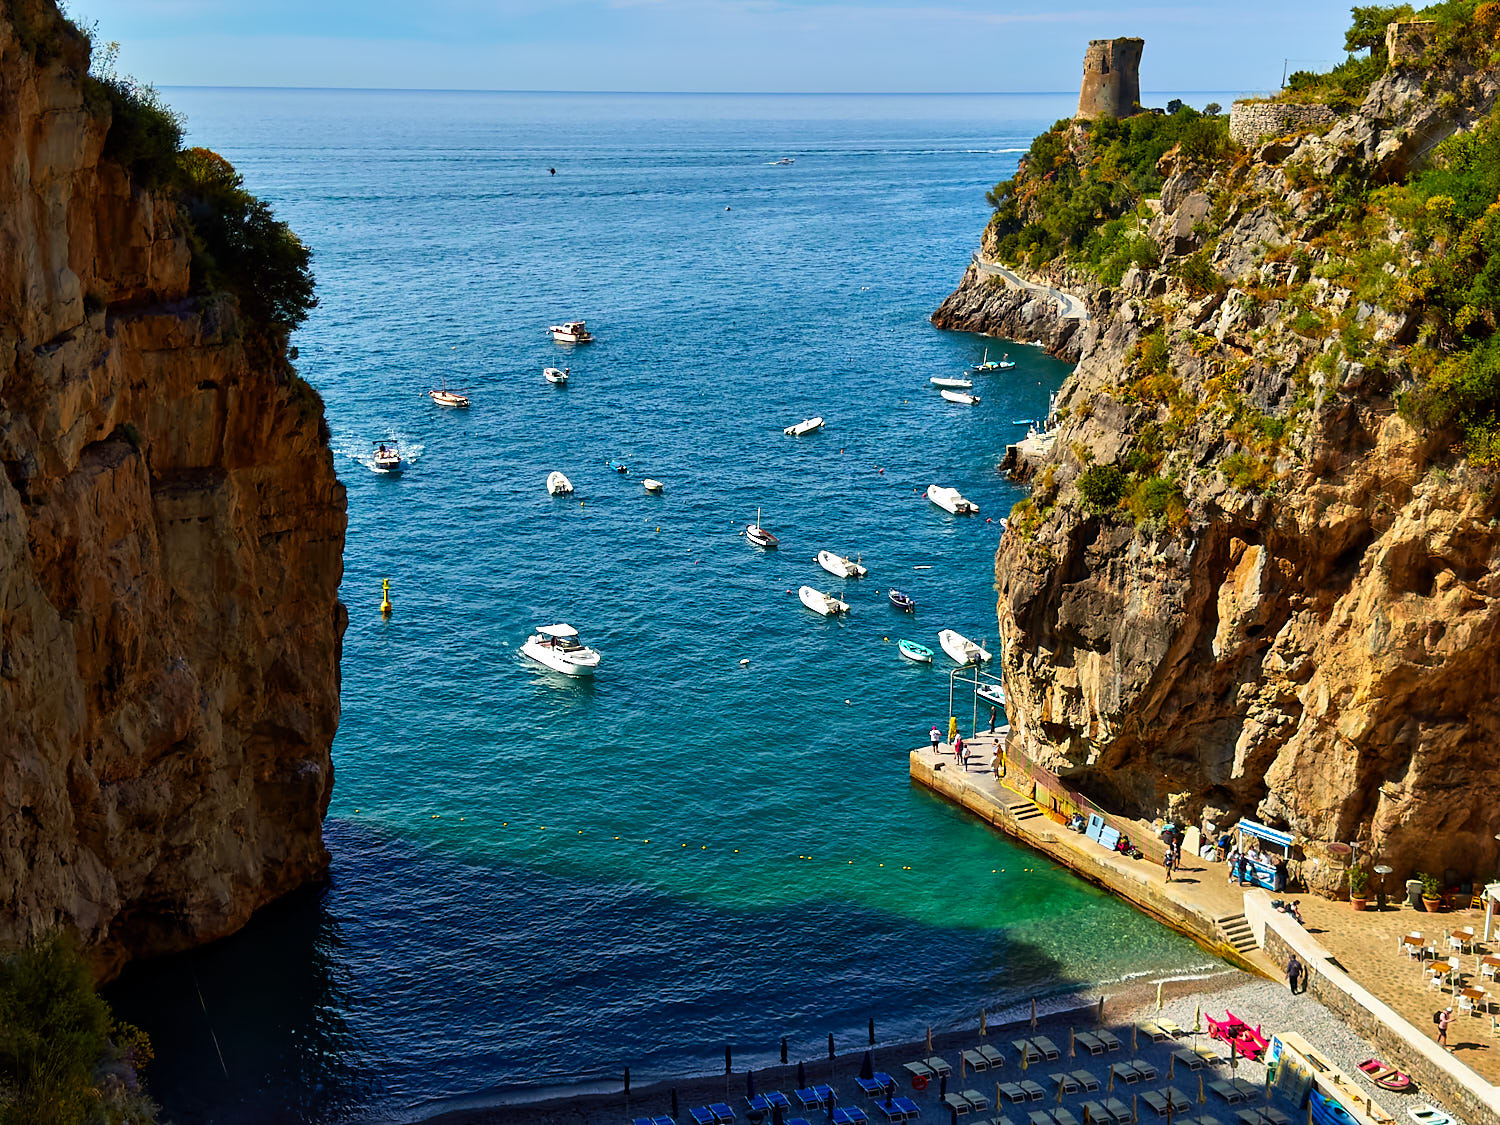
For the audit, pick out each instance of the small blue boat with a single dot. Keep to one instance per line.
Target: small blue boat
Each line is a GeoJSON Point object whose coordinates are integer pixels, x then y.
{"type": "Point", "coordinates": [617, 466]}
{"type": "Point", "coordinates": [902, 601]}
{"type": "Point", "coordinates": [918, 654]}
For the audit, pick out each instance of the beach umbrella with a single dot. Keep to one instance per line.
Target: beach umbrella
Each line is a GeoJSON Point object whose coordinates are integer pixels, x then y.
{"type": "Point", "coordinates": [1158, 994]}
{"type": "Point", "coordinates": [866, 1068]}
{"type": "Point", "coordinates": [674, 1101]}
{"type": "Point", "coordinates": [750, 1084]}
{"type": "Point", "coordinates": [942, 1086]}
{"type": "Point", "coordinates": [963, 1064]}
{"type": "Point", "coordinates": [783, 1050]}
{"type": "Point", "coordinates": [1201, 1098]}
{"type": "Point", "coordinates": [872, 1031]}
{"type": "Point", "coordinates": [801, 1076]}
{"type": "Point", "coordinates": [1135, 1108]}
{"type": "Point", "coordinates": [1025, 1054]}
{"type": "Point", "coordinates": [1197, 1018]}
{"type": "Point", "coordinates": [1110, 1089]}
{"type": "Point", "coordinates": [929, 1039]}
{"type": "Point", "coordinates": [830, 1044]}
{"type": "Point", "coordinates": [953, 1114]}
{"type": "Point", "coordinates": [1072, 1053]}
{"type": "Point", "coordinates": [1132, 1039]}
{"type": "Point", "coordinates": [1033, 1013]}
{"type": "Point", "coordinates": [999, 1101]}
{"type": "Point", "coordinates": [983, 1023]}
{"type": "Point", "coordinates": [1085, 1113]}
{"type": "Point", "coordinates": [1171, 1062]}
{"type": "Point", "coordinates": [1059, 1093]}
{"type": "Point", "coordinates": [776, 1114]}
{"type": "Point", "coordinates": [1101, 1009]}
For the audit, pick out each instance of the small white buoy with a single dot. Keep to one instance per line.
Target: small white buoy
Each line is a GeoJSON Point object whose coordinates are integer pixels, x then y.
{"type": "Point", "coordinates": [744, 662]}
{"type": "Point", "coordinates": [846, 703]}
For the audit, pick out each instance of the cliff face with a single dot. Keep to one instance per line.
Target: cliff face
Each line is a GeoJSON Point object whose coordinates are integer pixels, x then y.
{"type": "Point", "coordinates": [171, 534]}
{"type": "Point", "coordinates": [1243, 584]}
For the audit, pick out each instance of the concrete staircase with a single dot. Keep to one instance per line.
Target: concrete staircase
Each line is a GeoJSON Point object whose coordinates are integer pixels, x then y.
{"type": "Point", "coordinates": [1023, 811]}
{"type": "Point", "coordinates": [1236, 931]}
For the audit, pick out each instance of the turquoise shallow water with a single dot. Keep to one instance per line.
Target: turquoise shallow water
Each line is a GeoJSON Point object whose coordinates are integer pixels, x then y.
{"type": "Point", "coordinates": [536, 879]}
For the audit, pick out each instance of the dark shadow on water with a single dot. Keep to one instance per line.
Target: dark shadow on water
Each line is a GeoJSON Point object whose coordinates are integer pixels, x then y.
{"type": "Point", "coordinates": [416, 978]}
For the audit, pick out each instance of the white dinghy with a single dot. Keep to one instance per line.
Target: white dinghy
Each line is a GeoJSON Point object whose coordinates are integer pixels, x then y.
{"type": "Point", "coordinates": [961, 649]}
{"type": "Point", "coordinates": [963, 398]}
{"type": "Point", "coordinates": [949, 500]}
{"type": "Point", "coordinates": [825, 604]}
{"type": "Point", "coordinates": [558, 485]}
{"type": "Point", "coordinates": [839, 566]}
{"type": "Point", "coordinates": [806, 426]}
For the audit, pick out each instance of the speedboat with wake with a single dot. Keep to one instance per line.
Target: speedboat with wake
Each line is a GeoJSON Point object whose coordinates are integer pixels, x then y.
{"type": "Point", "coordinates": [558, 647]}
{"type": "Point", "coordinates": [387, 457]}
{"type": "Point", "coordinates": [961, 649]}
{"type": "Point", "coordinates": [759, 536]}
{"type": "Point", "coordinates": [963, 398]}
{"type": "Point", "coordinates": [904, 602]}
{"type": "Point", "coordinates": [571, 332]}
{"type": "Point", "coordinates": [559, 485]}
{"type": "Point", "coordinates": [917, 654]}
{"type": "Point", "coordinates": [839, 566]}
{"type": "Point", "coordinates": [949, 500]}
{"type": "Point", "coordinates": [557, 376]}
{"type": "Point", "coordinates": [821, 603]}
{"type": "Point", "coordinates": [952, 384]}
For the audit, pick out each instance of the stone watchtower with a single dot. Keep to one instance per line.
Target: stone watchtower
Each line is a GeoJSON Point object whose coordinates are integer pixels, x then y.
{"type": "Point", "coordinates": [1111, 78]}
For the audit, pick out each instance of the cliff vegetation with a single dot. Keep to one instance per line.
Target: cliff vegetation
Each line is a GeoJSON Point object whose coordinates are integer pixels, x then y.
{"type": "Point", "coordinates": [1259, 572]}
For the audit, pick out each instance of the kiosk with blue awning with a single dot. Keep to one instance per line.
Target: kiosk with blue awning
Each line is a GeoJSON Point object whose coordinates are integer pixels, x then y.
{"type": "Point", "coordinates": [1261, 847]}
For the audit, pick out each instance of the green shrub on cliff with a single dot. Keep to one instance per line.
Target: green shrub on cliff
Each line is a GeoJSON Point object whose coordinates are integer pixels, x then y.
{"type": "Point", "coordinates": [241, 246]}
{"type": "Point", "coordinates": [1077, 190]}
{"type": "Point", "coordinates": [63, 1060]}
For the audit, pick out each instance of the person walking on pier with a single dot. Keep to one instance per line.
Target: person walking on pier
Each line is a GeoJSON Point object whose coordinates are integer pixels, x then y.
{"type": "Point", "coordinates": [1444, 1018]}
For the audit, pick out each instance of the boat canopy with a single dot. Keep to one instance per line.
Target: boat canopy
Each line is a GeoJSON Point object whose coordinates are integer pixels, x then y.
{"type": "Point", "coordinates": [557, 631]}
{"type": "Point", "coordinates": [1260, 831]}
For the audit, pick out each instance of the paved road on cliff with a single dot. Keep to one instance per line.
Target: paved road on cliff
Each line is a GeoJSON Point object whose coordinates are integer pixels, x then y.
{"type": "Point", "coordinates": [1071, 307]}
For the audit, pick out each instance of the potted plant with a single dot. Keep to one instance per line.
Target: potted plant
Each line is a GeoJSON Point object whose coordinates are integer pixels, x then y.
{"type": "Point", "coordinates": [1359, 880]}
{"type": "Point", "coordinates": [1432, 892]}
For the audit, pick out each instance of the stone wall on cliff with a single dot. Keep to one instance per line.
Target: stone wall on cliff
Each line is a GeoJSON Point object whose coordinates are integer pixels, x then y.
{"type": "Point", "coordinates": [171, 537]}
{"type": "Point", "coordinates": [1323, 654]}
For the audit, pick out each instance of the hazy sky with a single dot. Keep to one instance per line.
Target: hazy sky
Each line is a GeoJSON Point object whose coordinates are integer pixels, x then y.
{"type": "Point", "coordinates": [742, 45]}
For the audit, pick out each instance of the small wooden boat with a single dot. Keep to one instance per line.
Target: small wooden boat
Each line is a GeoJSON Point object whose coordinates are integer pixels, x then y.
{"type": "Point", "coordinates": [557, 376]}
{"type": "Point", "coordinates": [1386, 1077]}
{"type": "Point", "coordinates": [1425, 1114]}
{"type": "Point", "coordinates": [950, 500]}
{"type": "Point", "coordinates": [806, 426]}
{"type": "Point", "coordinates": [759, 536]}
{"type": "Point", "coordinates": [961, 649]}
{"type": "Point", "coordinates": [571, 332]}
{"type": "Point", "coordinates": [444, 397]}
{"type": "Point", "coordinates": [903, 602]}
{"type": "Point", "coordinates": [651, 484]}
{"type": "Point", "coordinates": [839, 566]}
{"type": "Point", "coordinates": [387, 458]}
{"type": "Point", "coordinates": [952, 384]}
{"type": "Point", "coordinates": [559, 485]}
{"type": "Point", "coordinates": [917, 654]}
{"type": "Point", "coordinates": [825, 604]}
{"type": "Point", "coordinates": [963, 398]}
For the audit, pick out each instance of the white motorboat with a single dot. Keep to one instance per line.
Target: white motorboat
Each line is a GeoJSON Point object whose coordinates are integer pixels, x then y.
{"type": "Point", "coordinates": [819, 602]}
{"type": "Point", "coordinates": [783, 160]}
{"type": "Point", "coordinates": [949, 500]}
{"type": "Point", "coordinates": [559, 485]}
{"type": "Point", "coordinates": [387, 457]}
{"type": "Point", "coordinates": [444, 397]}
{"type": "Point", "coordinates": [558, 647]}
{"type": "Point", "coordinates": [651, 484]}
{"type": "Point", "coordinates": [804, 427]}
{"type": "Point", "coordinates": [951, 384]}
{"type": "Point", "coordinates": [993, 693]}
{"type": "Point", "coordinates": [557, 375]}
{"type": "Point", "coordinates": [961, 649]}
{"type": "Point", "coordinates": [840, 566]}
{"type": "Point", "coordinates": [987, 365]}
{"type": "Point", "coordinates": [759, 535]}
{"type": "Point", "coordinates": [571, 332]}
{"type": "Point", "coordinates": [961, 397]}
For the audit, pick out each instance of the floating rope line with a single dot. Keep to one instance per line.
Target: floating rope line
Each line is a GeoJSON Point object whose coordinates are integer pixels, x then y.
{"type": "Point", "coordinates": [218, 1050]}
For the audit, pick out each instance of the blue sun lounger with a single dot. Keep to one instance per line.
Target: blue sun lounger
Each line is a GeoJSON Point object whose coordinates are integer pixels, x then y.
{"type": "Point", "coordinates": [850, 1115]}
{"type": "Point", "coordinates": [723, 1115]}
{"type": "Point", "coordinates": [877, 1086]}
{"type": "Point", "coordinates": [702, 1115]}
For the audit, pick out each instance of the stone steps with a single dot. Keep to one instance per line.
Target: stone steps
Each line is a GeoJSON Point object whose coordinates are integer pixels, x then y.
{"type": "Point", "coordinates": [1024, 810]}
{"type": "Point", "coordinates": [1237, 933]}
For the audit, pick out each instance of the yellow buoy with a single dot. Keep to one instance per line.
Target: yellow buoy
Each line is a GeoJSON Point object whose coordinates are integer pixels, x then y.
{"type": "Point", "coordinates": [385, 597]}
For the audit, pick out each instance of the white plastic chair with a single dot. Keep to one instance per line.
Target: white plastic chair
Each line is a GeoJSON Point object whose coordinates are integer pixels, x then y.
{"type": "Point", "coordinates": [1465, 1004]}
{"type": "Point", "coordinates": [1486, 970]}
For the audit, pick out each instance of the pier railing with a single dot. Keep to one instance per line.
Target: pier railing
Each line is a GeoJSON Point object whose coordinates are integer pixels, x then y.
{"type": "Point", "coordinates": [1043, 788]}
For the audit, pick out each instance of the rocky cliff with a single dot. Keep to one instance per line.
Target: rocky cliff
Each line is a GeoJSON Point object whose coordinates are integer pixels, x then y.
{"type": "Point", "coordinates": [1247, 582]}
{"type": "Point", "coordinates": [171, 534]}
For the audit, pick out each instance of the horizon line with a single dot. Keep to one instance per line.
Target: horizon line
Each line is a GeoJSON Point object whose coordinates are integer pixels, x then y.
{"type": "Point", "coordinates": [663, 93]}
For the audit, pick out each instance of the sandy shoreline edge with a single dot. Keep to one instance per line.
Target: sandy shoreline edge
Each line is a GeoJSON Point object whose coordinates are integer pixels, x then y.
{"type": "Point", "coordinates": [609, 1107]}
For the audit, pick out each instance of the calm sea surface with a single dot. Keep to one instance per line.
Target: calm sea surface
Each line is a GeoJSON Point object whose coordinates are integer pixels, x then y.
{"type": "Point", "coordinates": [540, 881]}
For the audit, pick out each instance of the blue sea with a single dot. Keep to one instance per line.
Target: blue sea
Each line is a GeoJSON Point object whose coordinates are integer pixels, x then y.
{"type": "Point", "coordinates": [539, 881]}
